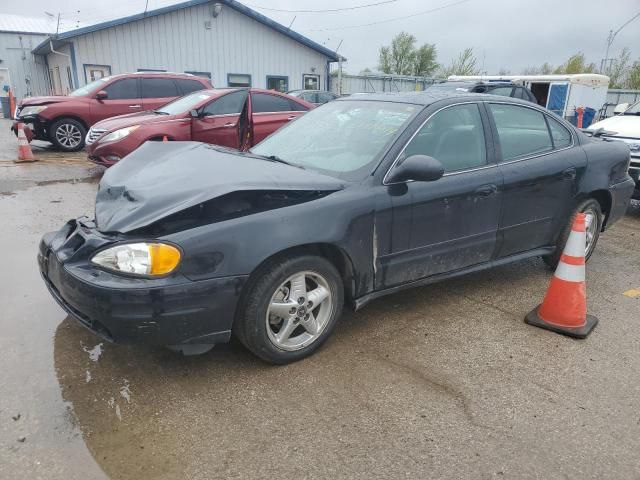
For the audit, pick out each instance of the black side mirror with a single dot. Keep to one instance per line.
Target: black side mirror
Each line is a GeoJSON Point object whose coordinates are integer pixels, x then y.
{"type": "Point", "coordinates": [102, 95]}
{"type": "Point", "coordinates": [419, 168]}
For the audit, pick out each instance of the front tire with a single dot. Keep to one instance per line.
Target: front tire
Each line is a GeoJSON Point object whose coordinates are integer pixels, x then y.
{"type": "Point", "coordinates": [594, 219]}
{"type": "Point", "coordinates": [289, 308]}
{"type": "Point", "coordinates": [67, 134]}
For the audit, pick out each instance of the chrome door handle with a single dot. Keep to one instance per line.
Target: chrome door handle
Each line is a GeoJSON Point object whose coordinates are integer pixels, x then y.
{"type": "Point", "coordinates": [135, 106]}
{"type": "Point", "coordinates": [229, 125]}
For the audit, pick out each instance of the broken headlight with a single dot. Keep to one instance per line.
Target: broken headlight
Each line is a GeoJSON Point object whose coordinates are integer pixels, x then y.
{"type": "Point", "coordinates": [139, 258]}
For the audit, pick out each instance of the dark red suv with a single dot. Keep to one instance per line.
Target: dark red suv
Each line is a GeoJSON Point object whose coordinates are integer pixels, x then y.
{"type": "Point", "coordinates": [231, 117]}
{"type": "Point", "coordinates": [65, 120]}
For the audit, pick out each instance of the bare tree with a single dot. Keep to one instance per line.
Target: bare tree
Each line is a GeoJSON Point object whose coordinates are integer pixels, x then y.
{"type": "Point", "coordinates": [465, 64]}
{"type": "Point", "coordinates": [619, 69]}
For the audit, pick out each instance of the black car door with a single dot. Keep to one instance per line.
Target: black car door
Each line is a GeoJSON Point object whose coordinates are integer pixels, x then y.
{"type": "Point", "coordinates": [450, 223]}
{"type": "Point", "coordinates": [540, 170]}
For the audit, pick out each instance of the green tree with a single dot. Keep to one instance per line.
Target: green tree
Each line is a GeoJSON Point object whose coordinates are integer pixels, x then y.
{"type": "Point", "coordinates": [576, 64]}
{"type": "Point", "coordinates": [465, 64]}
{"type": "Point", "coordinates": [425, 63]}
{"type": "Point", "coordinates": [399, 57]}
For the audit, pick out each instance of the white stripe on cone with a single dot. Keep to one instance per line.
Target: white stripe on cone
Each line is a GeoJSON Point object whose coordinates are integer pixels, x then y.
{"type": "Point", "coordinates": [570, 273]}
{"type": "Point", "coordinates": [576, 244]}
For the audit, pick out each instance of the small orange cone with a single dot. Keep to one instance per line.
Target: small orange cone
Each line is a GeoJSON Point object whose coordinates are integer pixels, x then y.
{"type": "Point", "coordinates": [165, 139]}
{"type": "Point", "coordinates": [24, 149]}
{"type": "Point", "coordinates": [564, 308]}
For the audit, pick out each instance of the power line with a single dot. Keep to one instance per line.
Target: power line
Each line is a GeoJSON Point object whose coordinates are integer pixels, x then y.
{"type": "Point", "coordinates": [344, 9]}
{"type": "Point", "coordinates": [424, 12]}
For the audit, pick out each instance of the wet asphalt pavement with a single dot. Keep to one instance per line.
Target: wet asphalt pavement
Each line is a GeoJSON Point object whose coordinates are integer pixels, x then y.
{"type": "Point", "coordinates": [444, 381]}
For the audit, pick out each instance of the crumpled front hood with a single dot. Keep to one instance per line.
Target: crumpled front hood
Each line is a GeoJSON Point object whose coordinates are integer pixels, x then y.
{"type": "Point", "coordinates": [623, 125]}
{"type": "Point", "coordinates": [25, 102]}
{"type": "Point", "coordinates": [162, 178]}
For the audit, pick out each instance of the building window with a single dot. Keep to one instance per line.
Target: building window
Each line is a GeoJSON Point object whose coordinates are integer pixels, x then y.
{"type": "Point", "coordinates": [238, 80]}
{"type": "Point", "coordinates": [94, 72]}
{"type": "Point", "coordinates": [200, 74]}
{"type": "Point", "coordinates": [278, 83]}
{"type": "Point", "coordinates": [311, 82]}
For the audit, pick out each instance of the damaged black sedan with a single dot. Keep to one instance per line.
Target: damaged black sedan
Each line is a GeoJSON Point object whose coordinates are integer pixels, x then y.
{"type": "Point", "coordinates": [362, 197]}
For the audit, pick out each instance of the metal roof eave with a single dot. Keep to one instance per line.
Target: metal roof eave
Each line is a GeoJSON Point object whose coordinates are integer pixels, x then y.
{"type": "Point", "coordinates": [333, 56]}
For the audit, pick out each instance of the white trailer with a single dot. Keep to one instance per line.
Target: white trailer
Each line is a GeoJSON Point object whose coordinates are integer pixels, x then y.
{"type": "Point", "coordinates": [559, 93]}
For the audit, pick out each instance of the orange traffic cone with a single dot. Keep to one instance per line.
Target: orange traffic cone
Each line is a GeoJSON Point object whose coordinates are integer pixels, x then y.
{"type": "Point", "coordinates": [564, 308]}
{"type": "Point", "coordinates": [24, 149]}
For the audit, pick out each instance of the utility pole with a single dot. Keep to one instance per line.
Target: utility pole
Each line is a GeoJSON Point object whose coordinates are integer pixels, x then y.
{"type": "Point", "coordinates": [339, 68]}
{"type": "Point", "coordinates": [610, 39]}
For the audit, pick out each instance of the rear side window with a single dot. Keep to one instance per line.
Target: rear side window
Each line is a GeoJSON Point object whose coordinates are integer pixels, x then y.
{"type": "Point", "coordinates": [561, 136]}
{"type": "Point", "coordinates": [504, 91]}
{"type": "Point", "coordinates": [122, 89]}
{"type": "Point", "coordinates": [325, 97]}
{"type": "Point", "coordinates": [262, 102]}
{"type": "Point", "coordinates": [454, 136]}
{"type": "Point", "coordinates": [231, 103]}
{"type": "Point", "coordinates": [189, 86]}
{"type": "Point", "coordinates": [522, 131]}
{"type": "Point", "coordinates": [159, 88]}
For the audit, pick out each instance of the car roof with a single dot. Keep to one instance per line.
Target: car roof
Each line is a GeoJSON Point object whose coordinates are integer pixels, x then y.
{"type": "Point", "coordinates": [161, 74]}
{"type": "Point", "coordinates": [427, 98]}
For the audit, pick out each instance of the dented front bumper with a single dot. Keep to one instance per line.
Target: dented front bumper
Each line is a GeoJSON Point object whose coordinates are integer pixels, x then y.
{"type": "Point", "coordinates": [168, 311]}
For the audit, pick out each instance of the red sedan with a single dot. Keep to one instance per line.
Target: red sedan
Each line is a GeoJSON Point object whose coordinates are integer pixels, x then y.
{"type": "Point", "coordinates": [231, 117]}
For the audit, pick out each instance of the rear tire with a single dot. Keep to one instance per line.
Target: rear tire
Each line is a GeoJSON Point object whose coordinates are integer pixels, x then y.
{"type": "Point", "coordinates": [67, 134]}
{"type": "Point", "coordinates": [593, 209]}
{"type": "Point", "coordinates": [279, 328]}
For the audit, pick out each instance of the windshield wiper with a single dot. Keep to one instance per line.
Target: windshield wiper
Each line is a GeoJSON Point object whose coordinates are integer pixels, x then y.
{"type": "Point", "coordinates": [160, 112]}
{"type": "Point", "coordinates": [275, 158]}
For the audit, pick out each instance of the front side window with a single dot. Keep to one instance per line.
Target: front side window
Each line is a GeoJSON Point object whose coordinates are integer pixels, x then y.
{"type": "Point", "coordinates": [343, 139]}
{"type": "Point", "coordinates": [454, 136]}
{"type": "Point", "coordinates": [122, 89]}
{"type": "Point", "coordinates": [263, 102]}
{"type": "Point", "coordinates": [231, 103]}
{"type": "Point", "coordinates": [159, 88]}
{"type": "Point", "coordinates": [522, 131]}
{"type": "Point", "coordinates": [89, 87]}
{"type": "Point", "coordinates": [238, 80]}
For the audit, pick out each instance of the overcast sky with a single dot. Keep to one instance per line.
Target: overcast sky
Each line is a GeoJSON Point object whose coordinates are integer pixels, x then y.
{"type": "Point", "coordinates": [510, 34]}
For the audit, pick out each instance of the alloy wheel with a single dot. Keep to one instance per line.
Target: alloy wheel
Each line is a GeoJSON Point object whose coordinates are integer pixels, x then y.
{"type": "Point", "coordinates": [299, 311]}
{"type": "Point", "coordinates": [591, 229]}
{"type": "Point", "coordinates": [68, 135]}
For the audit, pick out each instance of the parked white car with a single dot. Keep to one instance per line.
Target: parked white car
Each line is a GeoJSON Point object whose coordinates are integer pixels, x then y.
{"type": "Point", "coordinates": [625, 126]}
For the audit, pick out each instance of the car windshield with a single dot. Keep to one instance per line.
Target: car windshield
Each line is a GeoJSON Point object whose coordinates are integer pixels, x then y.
{"type": "Point", "coordinates": [184, 104]}
{"type": "Point", "coordinates": [633, 109]}
{"type": "Point", "coordinates": [90, 87]}
{"type": "Point", "coordinates": [342, 139]}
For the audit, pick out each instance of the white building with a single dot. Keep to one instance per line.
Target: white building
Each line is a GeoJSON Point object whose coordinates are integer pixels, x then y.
{"type": "Point", "coordinates": [20, 69]}
{"type": "Point", "coordinates": [223, 40]}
